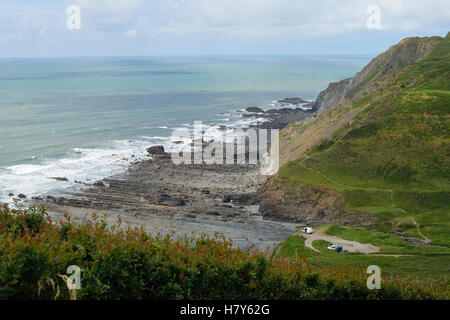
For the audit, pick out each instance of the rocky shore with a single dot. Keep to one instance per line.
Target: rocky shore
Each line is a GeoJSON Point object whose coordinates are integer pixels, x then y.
{"type": "Point", "coordinates": [188, 199]}
{"type": "Point", "coordinates": [293, 110]}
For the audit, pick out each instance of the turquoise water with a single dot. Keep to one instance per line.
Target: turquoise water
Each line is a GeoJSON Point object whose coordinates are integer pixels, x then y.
{"type": "Point", "coordinates": [83, 118]}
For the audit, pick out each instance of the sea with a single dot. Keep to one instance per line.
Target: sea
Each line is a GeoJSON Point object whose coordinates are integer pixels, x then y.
{"type": "Point", "coordinates": [88, 118]}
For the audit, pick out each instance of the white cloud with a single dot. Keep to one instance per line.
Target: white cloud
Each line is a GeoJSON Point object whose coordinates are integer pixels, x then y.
{"type": "Point", "coordinates": [268, 18]}
{"type": "Point", "coordinates": [240, 20]}
{"type": "Point", "coordinates": [131, 33]}
{"type": "Point", "coordinates": [19, 21]}
{"type": "Point", "coordinates": [252, 18]}
{"type": "Point", "coordinates": [109, 16]}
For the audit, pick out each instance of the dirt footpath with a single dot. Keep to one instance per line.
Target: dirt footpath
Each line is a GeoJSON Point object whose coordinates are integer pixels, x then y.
{"type": "Point", "coordinates": [351, 246]}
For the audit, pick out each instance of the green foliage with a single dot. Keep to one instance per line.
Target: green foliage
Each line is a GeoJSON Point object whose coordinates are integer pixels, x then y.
{"type": "Point", "coordinates": [127, 263]}
{"type": "Point", "coordinates": [391, 160]}
{"type": "Point", "coordinates": [400, 137]}
{"type": "Point", "coordinates": [417, 266]}
{"type": "Point", "coordinates": [323, 145]}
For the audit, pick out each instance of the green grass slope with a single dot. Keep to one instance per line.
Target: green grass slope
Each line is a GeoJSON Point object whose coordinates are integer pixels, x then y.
{"type": "Point", "coordinates": [385, 148]}
{"type": "Point", "coordinates": [397, 258]}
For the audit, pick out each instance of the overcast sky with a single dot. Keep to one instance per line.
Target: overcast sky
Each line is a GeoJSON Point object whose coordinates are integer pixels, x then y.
{"type": "Point", "coordinates": [38, 28]}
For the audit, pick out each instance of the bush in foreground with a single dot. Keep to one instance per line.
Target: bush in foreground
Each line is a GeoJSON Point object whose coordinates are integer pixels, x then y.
{"type": "Point", "coordinates": [127, 263]}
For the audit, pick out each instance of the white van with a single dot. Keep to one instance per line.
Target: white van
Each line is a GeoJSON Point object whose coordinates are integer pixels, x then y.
{"type": "Point", "coordinates": [335, 247]}
{"type": "Point", "coordinates": [307, 230]}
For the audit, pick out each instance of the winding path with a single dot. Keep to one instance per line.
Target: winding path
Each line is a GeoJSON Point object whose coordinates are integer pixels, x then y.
{"type": "Point", "coordinates": [352, 246]}
{"type": "Point", "coordinates": [426, 239]}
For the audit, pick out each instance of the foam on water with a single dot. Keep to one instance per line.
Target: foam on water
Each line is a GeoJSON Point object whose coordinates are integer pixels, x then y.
{"type": "Point", "coordinates": [83, 165]}
{"type": "Point", "coordinates": [92, 114]}
{"type": "Point", "coordinates": [89, 165]}
{"type": "Point", "coordinates": [154, 138]}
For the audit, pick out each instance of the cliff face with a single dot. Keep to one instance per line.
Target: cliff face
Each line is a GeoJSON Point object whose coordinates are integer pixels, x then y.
{"type": "Point", "coordinates": [381, 145]}
{"type": "Point", "coordinates": [333, 95]}
{"type": "Point", "coordinates": [408, 51]}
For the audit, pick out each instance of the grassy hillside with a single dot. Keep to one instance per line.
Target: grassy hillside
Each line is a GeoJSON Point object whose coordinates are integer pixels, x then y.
{"type": "Point", "coordinates": [386, 148]}
{"type": "Point", "coordinates": [408, 51]}
{"type": "Point", "coordinates": [397, 258]}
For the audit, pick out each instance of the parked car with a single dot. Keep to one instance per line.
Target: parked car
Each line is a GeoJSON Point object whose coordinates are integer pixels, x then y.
{"type": "Point", "coordinates": [335, 247]}
{"type": "Point", "coordinates": [307, 230]}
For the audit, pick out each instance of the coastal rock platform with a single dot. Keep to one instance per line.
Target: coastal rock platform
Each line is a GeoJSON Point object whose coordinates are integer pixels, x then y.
{"type": "Point", "coordinates": [186, 199]}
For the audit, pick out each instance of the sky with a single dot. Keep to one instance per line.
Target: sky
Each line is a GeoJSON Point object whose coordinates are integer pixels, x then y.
{"type": "Point", "coordinates": [39, 28]}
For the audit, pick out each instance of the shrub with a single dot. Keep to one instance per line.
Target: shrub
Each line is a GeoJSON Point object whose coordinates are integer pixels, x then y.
{"type": "Point", "coordinates": [127, 263]}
